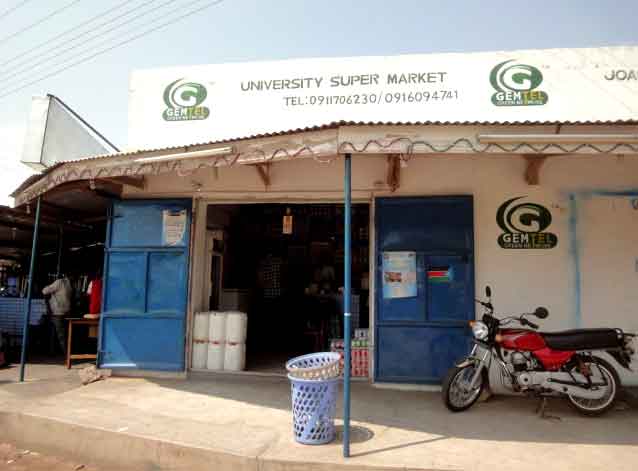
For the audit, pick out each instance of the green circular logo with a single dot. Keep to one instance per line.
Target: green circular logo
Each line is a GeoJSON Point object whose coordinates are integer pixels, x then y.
{"type": "Point", "coordinates": [516, 84]}
{"type": "Point", "coordinates": [181, 94]}
{"type": "Point", "coordinates": [515, 77]}
{"type": "Point", "coordinates": [184, 101]}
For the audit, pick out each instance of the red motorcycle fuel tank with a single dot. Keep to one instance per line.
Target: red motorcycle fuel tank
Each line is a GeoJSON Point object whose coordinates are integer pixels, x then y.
{"type": "Point", "coordinates": [521, 339]}
{"type": "Point", "coordinates": [530, 341]}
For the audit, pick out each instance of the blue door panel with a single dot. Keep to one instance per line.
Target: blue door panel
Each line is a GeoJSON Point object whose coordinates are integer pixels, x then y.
{"type": "Point", "coordinates": [166, 282]}
{"type": "Point", "coordinates": [149, 344]}
{"type": "Point", "coordinates": [124, 292]}
{"type": "Point", "coordinates": [418, 354]}
{"type": "Point", "coordinates": [419, 338]}
{"type": "Point", "coordinates": [146, 287]}
{"type": "Point", "coordinates": [406, 309]}
{"type": "Point", "coordinates": [451, 299]}
{"type": "Point", "coordinates": [430, 224]}
{"type": "Point", "coordinates": [140, 225]}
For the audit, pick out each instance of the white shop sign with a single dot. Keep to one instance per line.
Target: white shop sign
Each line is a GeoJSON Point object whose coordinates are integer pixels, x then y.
{"type": "Point", "coordinates": [185, 105]}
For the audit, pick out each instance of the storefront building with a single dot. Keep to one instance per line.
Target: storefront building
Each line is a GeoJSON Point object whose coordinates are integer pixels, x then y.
{"type": "Point", "coordinates": [516, 170]}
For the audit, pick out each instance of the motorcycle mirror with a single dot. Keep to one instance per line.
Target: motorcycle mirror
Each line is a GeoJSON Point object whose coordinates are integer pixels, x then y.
{"type": "Point", "coordinates": [488, 292]}
{"type": "Point", "coordinates": [541, 312]}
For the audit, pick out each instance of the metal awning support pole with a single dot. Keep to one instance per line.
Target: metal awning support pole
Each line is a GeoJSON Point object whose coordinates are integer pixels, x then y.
{"type": "Point", "coordinates": [58, 269]}
{"type": "Point", "coordinates": [27, 309]}
{"type": "Point", "coordinates": [347, 298]}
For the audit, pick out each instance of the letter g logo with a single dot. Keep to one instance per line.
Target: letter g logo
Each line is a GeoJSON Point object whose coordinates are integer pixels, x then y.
{"type": "Point", "coordinates": [515, 77]}
{"type": "Point", "coordinates": [523, 218]}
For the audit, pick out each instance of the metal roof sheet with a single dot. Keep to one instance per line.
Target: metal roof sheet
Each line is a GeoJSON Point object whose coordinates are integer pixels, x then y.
{"type": "Point", "coordinates": [332, 125]}
{"type": "Point", "coordinates": [336, 124]}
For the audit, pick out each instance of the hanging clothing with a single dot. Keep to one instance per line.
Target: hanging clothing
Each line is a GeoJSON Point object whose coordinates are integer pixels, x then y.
{"type": "Point", "coordinates": [95, 296]}
{"type": "Point", "coordinates": [60, 301]}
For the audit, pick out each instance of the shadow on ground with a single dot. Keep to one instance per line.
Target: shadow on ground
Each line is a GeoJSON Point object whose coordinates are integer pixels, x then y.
{"type": "Point", "coordinates": [358, 434]}
{"type": "Point", "coordinates": [42, 379]}
{"type": "Point", "coordinates": [374, 411]}
{"type": "Point", "coordinates": [503, 418]}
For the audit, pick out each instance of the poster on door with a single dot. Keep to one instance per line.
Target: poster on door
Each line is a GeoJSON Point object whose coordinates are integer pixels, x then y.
{"type": "Point", "coordinates": [399, 275]}
{"type": "Point", "coordinates": [173, 227]}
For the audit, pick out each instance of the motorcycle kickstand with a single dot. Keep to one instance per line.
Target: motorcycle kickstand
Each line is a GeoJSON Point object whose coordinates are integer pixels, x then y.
{"type": "Point", "coordinates": [540, 410]}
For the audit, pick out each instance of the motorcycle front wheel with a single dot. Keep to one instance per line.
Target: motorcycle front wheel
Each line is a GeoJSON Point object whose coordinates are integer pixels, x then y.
{"type": "Point", "coordinates": [458, 395]}
{"type": "Point", "coordinates": [601, 371]}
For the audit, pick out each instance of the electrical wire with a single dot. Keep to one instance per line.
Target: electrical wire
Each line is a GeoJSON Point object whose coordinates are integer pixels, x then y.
{"type": "Point", "coordinates": [110, 48]}
{"type": "Point", "coordinates": [86, 39]}
{"type": "Point", "coordinates": [39, 22]}
{"type": "Point", "coordinates": [10, 10]}
{"type": "Point", "coordinates": [31, 66]}
{"type": "Point", "coordinates": [63, 33]}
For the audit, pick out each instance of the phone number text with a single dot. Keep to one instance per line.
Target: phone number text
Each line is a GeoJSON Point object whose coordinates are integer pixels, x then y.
{"type": "Point", "coordinates": [372, 98]}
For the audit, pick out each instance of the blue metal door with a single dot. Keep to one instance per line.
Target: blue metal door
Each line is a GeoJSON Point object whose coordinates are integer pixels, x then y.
{"type": "Point", "coordinates": [145, 285]}
{"type": "Point", "coordinates": [420, 335]}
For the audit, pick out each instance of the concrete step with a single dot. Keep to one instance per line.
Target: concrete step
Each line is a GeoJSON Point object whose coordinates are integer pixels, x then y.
{"type": "Point", "coordinates": [125, 451]}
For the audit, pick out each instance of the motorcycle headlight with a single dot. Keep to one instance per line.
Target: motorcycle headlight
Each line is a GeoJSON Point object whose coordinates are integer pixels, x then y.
{"type": "Point", "coordinates": [479, 330]}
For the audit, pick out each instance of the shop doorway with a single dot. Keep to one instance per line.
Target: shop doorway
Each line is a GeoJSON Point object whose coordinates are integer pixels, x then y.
{"type": "Point", "coordinates": [282, 264]}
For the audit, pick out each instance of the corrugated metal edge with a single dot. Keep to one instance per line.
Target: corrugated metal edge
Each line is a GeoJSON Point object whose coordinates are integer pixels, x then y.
{"type": "Point", "coordinates": [353, 123]}
{"type": "Point", "coordinates": [27, 183]}
{"type": "Point", "coordinates": [334, 124]}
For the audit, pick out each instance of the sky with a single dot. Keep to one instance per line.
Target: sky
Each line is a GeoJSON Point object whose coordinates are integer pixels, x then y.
{"type": "Point", "coordinates": [252, 30]}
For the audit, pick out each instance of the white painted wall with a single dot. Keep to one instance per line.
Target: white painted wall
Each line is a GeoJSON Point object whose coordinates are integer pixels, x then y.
{"type": "Point", "coordinates": [607, 243]}
{"type": "Point", "coordinates": [600, 254]}
{"type": "Point", "coordinates": [608, 248]}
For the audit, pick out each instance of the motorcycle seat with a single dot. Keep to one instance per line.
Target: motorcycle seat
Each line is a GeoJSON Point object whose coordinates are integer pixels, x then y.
{"type": "Point", "coordinates": [584, 339]}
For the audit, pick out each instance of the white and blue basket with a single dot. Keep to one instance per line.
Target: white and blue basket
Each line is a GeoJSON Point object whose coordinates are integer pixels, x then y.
{"type": "Point", "coordinates": [314, 404]}
{"type": "Point", "coordinates": [314, 383]}
{"type": "Point", "coordinates": [315, 366]}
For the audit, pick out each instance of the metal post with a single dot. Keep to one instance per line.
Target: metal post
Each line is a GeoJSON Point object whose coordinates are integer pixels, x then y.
{"type": "Point", "coordinates": [27, 310]}
{"type": "Point", "coordinates": [347, 281]}
{"type": "Point", "coordinates": [58, 269]}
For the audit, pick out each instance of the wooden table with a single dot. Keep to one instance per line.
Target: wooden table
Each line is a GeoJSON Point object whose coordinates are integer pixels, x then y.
{"type": "Point", "coordinates": [79, 356]}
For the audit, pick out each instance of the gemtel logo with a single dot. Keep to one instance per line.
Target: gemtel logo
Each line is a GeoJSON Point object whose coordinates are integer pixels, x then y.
{"type": "Point", "coordinates": [184, 100]}
{"type": "Point", "coordinates": [516, 85]}
{"type": "Point", "coordinates": [523, 226]}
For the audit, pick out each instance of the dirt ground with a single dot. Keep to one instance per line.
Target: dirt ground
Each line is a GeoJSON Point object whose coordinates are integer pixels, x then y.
{"type": "Point", "coordinates": [14, 459]}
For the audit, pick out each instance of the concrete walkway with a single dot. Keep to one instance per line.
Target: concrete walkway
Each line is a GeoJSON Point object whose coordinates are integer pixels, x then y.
{"type": "Point", "coordinates": [236, 422]}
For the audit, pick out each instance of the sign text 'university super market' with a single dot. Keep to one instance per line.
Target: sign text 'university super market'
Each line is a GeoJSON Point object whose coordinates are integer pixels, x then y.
{"type": "Point", "coordinates": [414, 78]}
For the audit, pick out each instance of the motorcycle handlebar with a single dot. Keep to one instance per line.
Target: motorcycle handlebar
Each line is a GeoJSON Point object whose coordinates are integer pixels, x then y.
{"type": "Point", "coordinates": [485, 304]}
{"type": "Point", "coordinates": [522, 320]}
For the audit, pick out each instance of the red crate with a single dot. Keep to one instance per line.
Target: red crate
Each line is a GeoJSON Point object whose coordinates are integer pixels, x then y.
{"type": "Point", "coordinates": [359, 361]}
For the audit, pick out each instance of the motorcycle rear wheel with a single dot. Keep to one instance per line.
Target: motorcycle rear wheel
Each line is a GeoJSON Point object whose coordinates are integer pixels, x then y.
{"type": "Point", "coordinates": [457, 396]}
{"type": "Point", "coordinates": [593, 407]}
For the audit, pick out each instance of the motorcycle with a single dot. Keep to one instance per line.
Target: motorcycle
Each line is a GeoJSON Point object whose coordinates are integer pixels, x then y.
{"type": "Point", "coordinates": [566, 364]}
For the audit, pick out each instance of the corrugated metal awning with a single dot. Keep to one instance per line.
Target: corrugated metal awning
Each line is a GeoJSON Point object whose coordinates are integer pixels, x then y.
{"type": "Point", "coordinates": [321, 140]}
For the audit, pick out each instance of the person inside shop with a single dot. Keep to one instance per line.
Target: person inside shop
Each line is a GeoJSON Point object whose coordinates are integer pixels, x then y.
{"type": "Point", "coordinates": [323, 278]}
{"type": "Point", "coordinates": [327, 275]}
{"type": "Point", "coordinates": [321, 295]}
{"type": "Point", "coordinates": [59, 293]}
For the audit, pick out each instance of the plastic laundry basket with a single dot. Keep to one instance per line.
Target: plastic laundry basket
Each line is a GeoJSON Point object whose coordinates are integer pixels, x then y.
{"type": "Point", "coordinates": [316, 366]}
{"type": "Point", "coordinates": [314, 403]}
